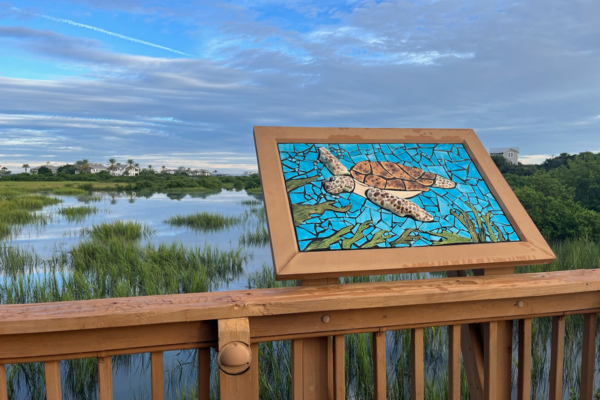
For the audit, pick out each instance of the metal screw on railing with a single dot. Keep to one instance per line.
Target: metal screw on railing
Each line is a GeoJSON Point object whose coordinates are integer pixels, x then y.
{"type": "Point", "coordinates": [325, 319]}
{"type": "Point", "coordinates": [520, 303]}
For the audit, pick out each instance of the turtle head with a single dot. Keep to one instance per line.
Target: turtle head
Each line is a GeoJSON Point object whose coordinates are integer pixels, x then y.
{"type": "Point", "coordinates": [332, 163]}
{"type": "Point", "coordinates": [338, 184]}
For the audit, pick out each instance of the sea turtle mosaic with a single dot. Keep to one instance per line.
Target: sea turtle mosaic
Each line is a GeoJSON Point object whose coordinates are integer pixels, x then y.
{"type": "Point", "coordinates": [386, 184]}
{"type": "Point", "coordinates": [345, 196]}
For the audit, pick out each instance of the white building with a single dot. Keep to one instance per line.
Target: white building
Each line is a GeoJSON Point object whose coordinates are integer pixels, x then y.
{"type": "Point", "coordinates": [510, 153]}
{"type": "Point", "coordinates": [123, 170]}
{"type": "Point", "coordinates": [248, 173]}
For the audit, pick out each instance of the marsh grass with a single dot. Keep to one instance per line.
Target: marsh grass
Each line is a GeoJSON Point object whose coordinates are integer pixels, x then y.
{"type": "Point", "coordinates": [204, 221]}
{"type": "Point", "coordinates": [77, 214]}
{"type": "Point", "coordinates": [18, 209]}
{"type": "Point", "coordinates": [68, 191]}
{"type": "Point", "coordinates": [252, 203]}
{"type": "Point", "coordinates": [257, 237]}
{"type": "Point", "coordinates": [119, 230]}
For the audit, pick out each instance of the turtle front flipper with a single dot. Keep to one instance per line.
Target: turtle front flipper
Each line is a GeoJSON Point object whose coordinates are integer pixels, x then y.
{"type": "Point", "coordinates": [397, 205]}
{"type": "Point", "coordinates": [444, 183]}
{"type": "Point", "coordinates": [332, 163]}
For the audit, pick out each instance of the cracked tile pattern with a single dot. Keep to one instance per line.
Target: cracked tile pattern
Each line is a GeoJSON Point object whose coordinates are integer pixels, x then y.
{"type": "Point", "coordinates": [467, 213]}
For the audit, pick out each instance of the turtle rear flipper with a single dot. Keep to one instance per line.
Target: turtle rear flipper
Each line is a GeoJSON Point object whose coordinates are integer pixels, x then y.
{"type": "Point", "coordinates": [397, 205]}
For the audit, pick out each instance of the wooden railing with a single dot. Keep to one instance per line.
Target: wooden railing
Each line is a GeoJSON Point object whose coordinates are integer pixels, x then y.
{"type": "Point", "coordinates": [52, 332]}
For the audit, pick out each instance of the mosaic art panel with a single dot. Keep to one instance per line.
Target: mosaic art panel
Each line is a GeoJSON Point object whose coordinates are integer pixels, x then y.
{"type": "Point", "coordinates": [361, 196]}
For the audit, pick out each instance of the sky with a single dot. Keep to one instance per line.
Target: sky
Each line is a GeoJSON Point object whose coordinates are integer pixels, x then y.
{"type": "Point", "coordinates": [183, 82]}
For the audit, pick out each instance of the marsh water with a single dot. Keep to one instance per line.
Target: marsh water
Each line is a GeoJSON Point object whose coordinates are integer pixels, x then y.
{"type": "Point", "coordinates": [131, 374]}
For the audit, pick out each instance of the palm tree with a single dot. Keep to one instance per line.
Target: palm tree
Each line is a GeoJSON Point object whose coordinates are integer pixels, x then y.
{"type": "Point", "coordinates": [84, 166]}
{"type": "Point", "coordinates": [150, 167]}
{"type": "Point", "coordinates": [130, 164]}
{"type": "Point", "coordinates": [25, 166]}
{"type": "Point", "coordinates": [112, 166]}
{"type": "Point", "coordinates": [163, 169]}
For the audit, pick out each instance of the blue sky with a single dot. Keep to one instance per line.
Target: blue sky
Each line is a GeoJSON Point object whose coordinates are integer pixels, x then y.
{"type": "Point", "coordinates": [183, 82]}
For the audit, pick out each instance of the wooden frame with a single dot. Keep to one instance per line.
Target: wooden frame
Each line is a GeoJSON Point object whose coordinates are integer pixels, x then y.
{"type": "Point", "coordinates": [291, 263]}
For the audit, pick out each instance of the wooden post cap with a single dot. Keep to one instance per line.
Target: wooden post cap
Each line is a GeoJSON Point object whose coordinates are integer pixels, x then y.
{"type": "Point", "coordinates": [234, 358]}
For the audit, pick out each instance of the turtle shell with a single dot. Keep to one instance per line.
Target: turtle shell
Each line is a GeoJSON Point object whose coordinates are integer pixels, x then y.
{"type": "Point", "coordinates": [392, 176]}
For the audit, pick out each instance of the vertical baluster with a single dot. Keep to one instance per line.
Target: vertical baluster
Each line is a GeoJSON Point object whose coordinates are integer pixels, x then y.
{"type": "Point", "coordinates": [339, 368]}
{"type": "Point", "coordinates": [379, 366]}
{"type": "Point", "coordinates": [588, 355]}
{"type": "Point", "coordinates": [556, 357]}
{"type": "Point", "coordinates": [524, 379]}
{"type": "Point", "coordinates": [157, 375]}
{"type": "Point", "coordinates": [52, 375]}
{"type": "Point", "coordinates": [204, 373]}
{"type": "Point", "coordinates": [454, 362]}
{"type": "Point", "coordinates": [490, 361]}
{"type": "Point", "coordinates": [105, 391]}
{"type": "Point", "coordinates": [417, 370]}
{"type": "Point", "coordinates": [3, 383]}
{"type": "Point", "coordinates": [254, 385]}
{"type": "Point", "coordinates": [297, 370]}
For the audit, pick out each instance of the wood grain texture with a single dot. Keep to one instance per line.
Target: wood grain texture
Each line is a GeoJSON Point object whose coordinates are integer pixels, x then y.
{"type": "Point", "coordinates": [53, 382]}
{"type": "Point", "coordinates": [204, 373]}
{"type": "Point", "coordinates": [588, 355]}
{"type": "Point", "coordinates": [339, 368]}
{"type": "Point", "coordinates": [490, 386]}
{"type": "Point", "coordinates": [151, 310]}
{"type": "Point", "coordinates": [157, 375]}
{"type": "Point", "coordinates": [472, 351]}
{"type": "Point", "coordinates": [315, 368]}
{"type": "Point", "coordinates": [3, 383]}
{"type": "Point", "coordinates": [237, 387]}
{"type": "Point", "coordinates": [524, 373]}
{"type": "Point", "coordinates": [417, 376]}
{"type": "Point", "coordinates": [297, 370]}
{"type": "Point", "coordinates": [379, 367]}
{"type": "Point", "coordinates": [505, 335]}
{"type": "Point", "coordinates": [557, 357]}
{"type": "Point", "coordinates": [105, 386]}
{"type": "Point", "coordinates": [454, 362]}
{"type": "Point", "coordinates": [289, 263]}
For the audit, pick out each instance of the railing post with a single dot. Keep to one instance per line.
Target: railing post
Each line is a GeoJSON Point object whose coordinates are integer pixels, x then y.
{"type": "Point", "coordinates": [557, 357]}
{"type": "Point", "coordinates": [316, 361]}
{"type": "Point", "coordinates": [52, 375]}
{"type": "Point", "coordinates": [379, 366]}
{"type": "Point", "coordinates": [157, 375]}
{"type": "Point", "coordinates": [339, 368]}
{"type": "Point", "coordinates": [204, 373]}
{"type": "Point", "coordinates": [238, 380]}
{"type": "Point", "coordinates": [505, 334]}
{"type": "Point", "coordinates": [3, 383]}
{"type": "Point", "coordinates": [524, 379]}
{"type": "Point", "coordinates": [454, 362]}
{"type": "Point", "coordinates": [417, 364]}
{"type": "Point", "coordinates": [105, 389]}
{"type": "Point", "coordinates": [588, 356]}
{"type": "Point", "coordinates": [490, 391]}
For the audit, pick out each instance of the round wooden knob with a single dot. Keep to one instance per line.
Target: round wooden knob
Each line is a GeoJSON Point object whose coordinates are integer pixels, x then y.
{"type": "Point", "coordinates": [234, 358]}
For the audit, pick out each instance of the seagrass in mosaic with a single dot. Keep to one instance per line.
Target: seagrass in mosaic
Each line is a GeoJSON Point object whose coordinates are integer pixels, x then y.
{"type": "Point", "coordinates": [361, 196]}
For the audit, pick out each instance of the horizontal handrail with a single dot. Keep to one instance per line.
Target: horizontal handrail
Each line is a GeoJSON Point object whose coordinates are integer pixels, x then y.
{"type": "Point", "coordinates": [181, 308]}
{"type": "Point", "coordinates": [238, 320]}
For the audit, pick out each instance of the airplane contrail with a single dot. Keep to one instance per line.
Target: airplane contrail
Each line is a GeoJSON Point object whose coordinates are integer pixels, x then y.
{"type": "Point", "coordinates": [117, 35]}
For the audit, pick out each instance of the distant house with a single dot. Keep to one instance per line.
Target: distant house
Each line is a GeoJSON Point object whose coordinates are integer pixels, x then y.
{"type": "Point", "coordinates": [96, 168]}
{"type": "Point", "coordinates": [199, 172]}
{"type": "Point", "coordinates": [124, 170]}
{"type": "Point", "coordinates": [510, 153]}
{"type": "Point", "coordinates": [248, 173]}
{"type": "Point", "coordinates": [52, 168]}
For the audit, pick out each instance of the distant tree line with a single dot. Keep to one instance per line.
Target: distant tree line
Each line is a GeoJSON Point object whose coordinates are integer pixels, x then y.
{"type": "Point", "coordinates": [562, 195]}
